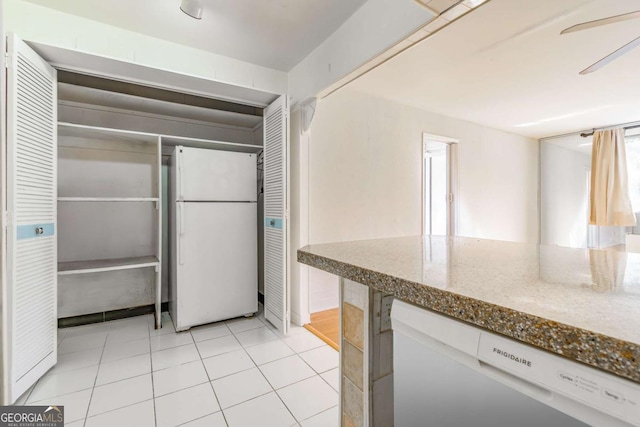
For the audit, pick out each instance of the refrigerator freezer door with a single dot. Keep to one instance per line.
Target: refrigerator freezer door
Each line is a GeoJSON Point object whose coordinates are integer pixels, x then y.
{"type": "Point", "coordinates": [217, 265]}
{"type": "Point", "coordinates": [217, 176]}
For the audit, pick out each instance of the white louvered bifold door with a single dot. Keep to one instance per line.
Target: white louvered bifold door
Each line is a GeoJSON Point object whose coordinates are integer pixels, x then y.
{"type": "Point", "coordinates": [31, 324]}
{"type": "Point", "coordinates": [276, 167]}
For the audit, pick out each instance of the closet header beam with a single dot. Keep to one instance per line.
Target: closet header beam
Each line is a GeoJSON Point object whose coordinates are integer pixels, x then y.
{"type": "Point", "coordinates": [74, 130]}
{"type": "Point", "coordinates": [155, 93]}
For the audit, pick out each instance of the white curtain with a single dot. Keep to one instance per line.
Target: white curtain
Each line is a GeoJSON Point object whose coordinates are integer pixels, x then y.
{"type": "Point", "coordinates": [610, 203]}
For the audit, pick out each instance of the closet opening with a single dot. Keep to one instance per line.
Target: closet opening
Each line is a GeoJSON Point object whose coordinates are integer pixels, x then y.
{"type": "Point", "coordinates": [91, 236]}
{"type": "Point", "coordinates": [113, 188]}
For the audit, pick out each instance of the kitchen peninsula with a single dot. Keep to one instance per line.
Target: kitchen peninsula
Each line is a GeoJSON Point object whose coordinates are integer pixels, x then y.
{"type": "Point", "coordinates": [583, 305]}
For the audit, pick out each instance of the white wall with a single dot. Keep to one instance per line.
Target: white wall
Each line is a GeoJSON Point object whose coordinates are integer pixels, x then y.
{"type": "Point", "coordinates": [563, 200]}
{"type": "Point", "coordinates": [43, 25]}
{"type": "Point", "coordinates": [364, 173]}
{"type": "Point", "coordinates": [366, 168]}
{"type": "Point", "coordinates": [298, 214]}
{"type": "Point", "coordinates": [564, 163]}
{"type": "Point", "coordinates": [371, 30]}
{"type": "Point", "coordinates": [90, 231]}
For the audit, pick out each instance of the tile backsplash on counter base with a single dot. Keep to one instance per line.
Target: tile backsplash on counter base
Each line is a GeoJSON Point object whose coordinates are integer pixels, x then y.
{"type": "Point", "coordinates": [367, 358]}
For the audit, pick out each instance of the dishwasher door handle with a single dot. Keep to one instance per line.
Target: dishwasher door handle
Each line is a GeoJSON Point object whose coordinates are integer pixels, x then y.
{"type": "Point", "coordinates": [534, 390]}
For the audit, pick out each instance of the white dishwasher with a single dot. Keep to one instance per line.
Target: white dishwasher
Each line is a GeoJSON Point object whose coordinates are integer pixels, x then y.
{"type": "Point", "coordinates": [450, 374]}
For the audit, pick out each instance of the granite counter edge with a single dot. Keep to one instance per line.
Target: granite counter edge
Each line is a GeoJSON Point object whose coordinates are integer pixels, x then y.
{"type": "Point", "coordinates": [609, 354]}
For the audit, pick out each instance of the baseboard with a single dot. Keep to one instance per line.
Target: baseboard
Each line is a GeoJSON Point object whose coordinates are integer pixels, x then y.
{"type": "Point", "coordinates": [85, 319]}
{"type": "Point", "coordinates": [297, 319]}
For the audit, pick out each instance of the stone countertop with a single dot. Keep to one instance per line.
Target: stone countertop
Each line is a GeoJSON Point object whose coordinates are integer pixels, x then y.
{"type": "Point", "coordinates": [583, 304]}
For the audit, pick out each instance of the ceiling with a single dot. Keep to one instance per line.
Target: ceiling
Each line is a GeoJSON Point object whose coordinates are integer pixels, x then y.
{"type": "Point", "coordinates": [273, 33]}
{"type": "Point", "coordinates": [506, 66]}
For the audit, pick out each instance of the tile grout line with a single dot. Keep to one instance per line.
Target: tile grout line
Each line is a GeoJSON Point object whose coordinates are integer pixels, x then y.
{"type": "Point", "coordinates": [255, 365]}
{"type": "Point", "coordinates": [296, 353]}
{"type": "Point", "coordinates": [117, 409]}
{"type": "Point", "coordinates": [283, 402]}
{"type": "Point", "coordinates": [153, 390]}
{"type": "Point", "coordinates": [95, 380]}
{"type": "Point", "coordinates": [199, 418]}
{"type": "Point", "coordinates": [242, 347]}
{"type": "Point", "coordinates": [319, 413]}
{"type": "Point", "coordinates": [316, 374]}
{"type": "Point", "coordinates": [320, 375]}
{"type": "Point", "coordinates": [224, 417]}
{"type": "Point", "coordinates": [298, 382]}
{"type": "Point", "coordinates": [99, 365]}
{"type": "Point", "coordinates": [274, 390]}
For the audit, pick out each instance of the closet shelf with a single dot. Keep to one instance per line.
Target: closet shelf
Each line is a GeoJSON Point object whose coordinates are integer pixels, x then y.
{"type": "Point", "coordinates": [108, 199]}
{"type": "Point", "coordinates": [106, 134]}
{"type": "Point", "coordinates": [97, 266]}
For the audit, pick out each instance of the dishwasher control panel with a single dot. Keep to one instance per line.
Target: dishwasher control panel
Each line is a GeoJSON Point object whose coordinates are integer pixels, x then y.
{"type": "Point", "coordinates": [616, 396]}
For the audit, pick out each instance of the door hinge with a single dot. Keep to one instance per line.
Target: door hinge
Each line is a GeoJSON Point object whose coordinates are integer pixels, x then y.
{"type": "Point", "coordinates": [5, 219]}
{"type": "Point", "coordinates": [8, 60]}
{"type": "Point", "coordinates": [450, 197]}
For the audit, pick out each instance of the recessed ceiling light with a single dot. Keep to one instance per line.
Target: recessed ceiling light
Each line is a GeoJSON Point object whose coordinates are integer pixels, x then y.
{"type": "Point", "coordinates": [563, 116]}
{"type": "Point", "coordinates": [473, 3]}
{"type": "Point", "coordinates": [193, 8]}
{"type": "Point", "coordinates": [440, 6]}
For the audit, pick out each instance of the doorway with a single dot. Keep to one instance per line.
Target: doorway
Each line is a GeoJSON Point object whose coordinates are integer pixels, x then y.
{"type": "Point", "coordinates": [439, 172]}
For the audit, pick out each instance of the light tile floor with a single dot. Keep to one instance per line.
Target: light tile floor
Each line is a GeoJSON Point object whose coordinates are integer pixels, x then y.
{"type": "Point", "coordinates": [238, 373]}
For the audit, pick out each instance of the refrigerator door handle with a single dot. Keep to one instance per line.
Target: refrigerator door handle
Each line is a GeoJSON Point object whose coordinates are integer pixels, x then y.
{"type": "Point", "coordinates": [180, 177]}
{"type": "Point", "coordinates": [180, 232]}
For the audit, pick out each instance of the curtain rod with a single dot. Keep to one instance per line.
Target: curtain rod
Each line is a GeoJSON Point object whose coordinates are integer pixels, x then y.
{"type": "Point", "coordinates": [586, 134]}
{"type": "Point", "coordinates": [629, 125]}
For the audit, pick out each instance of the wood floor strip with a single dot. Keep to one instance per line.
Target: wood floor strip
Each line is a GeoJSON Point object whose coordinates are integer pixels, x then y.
{"type": "Point", "coordinates": [326, 326]}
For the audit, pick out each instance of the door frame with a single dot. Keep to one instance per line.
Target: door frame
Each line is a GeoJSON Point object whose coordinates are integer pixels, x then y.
{"type": "Point", "coordinates": [90, 63]}
{"type": "Point", "coordinates": [271, 222]}
{"type": "Point", "coordinates": [452, 180]}
{"type": "Point", "coordinates": [4, 350]}
{"type": "Point", "coordinates": [12, 387]}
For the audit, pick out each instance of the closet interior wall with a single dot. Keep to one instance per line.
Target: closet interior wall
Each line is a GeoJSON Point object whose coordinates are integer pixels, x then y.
{"type": "Point", "coordinates": [108, 195]}
{"type": "Point", "coordinates": [119, 169]}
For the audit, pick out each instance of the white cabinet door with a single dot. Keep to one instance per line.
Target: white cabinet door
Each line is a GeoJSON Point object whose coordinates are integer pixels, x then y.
{"type": "Point", "coordinates": [276, 205]}
{"type": "Point", "coordinates": [30, 325]}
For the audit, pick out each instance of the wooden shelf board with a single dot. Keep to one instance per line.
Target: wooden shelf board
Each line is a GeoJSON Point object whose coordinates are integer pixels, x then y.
{"type": "Point", "coordinates": [101, 265]}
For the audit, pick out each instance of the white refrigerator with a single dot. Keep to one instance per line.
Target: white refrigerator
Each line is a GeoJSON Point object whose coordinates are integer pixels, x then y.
{"type": "Point", "coordinates": [213, 236]}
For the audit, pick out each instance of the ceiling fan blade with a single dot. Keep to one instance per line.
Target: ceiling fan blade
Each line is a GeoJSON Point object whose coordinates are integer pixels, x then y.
{"type": "Point", "coordinates": [600, 22]}
{"type": "Point", "coordinates": [612, 56]}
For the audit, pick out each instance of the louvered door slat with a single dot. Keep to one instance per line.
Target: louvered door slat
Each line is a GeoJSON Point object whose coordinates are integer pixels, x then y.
{"type": "Point", "coordinates": [275, 205]}
{"type": "Point", "coordinates": [31, 204]}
